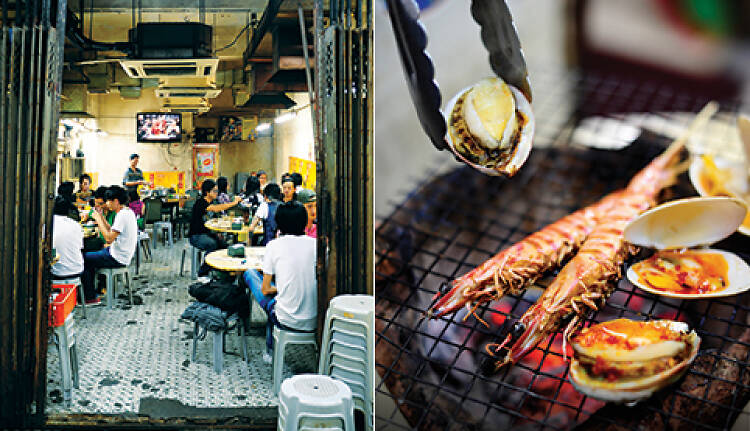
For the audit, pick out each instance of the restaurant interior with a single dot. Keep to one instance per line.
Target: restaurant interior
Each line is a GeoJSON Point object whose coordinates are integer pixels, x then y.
{"type": "Point", "coordinates": [162, 98]}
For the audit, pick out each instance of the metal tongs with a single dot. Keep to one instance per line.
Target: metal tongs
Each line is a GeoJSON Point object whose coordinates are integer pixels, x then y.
{"type": "Point", "coordinates": [498, 36]}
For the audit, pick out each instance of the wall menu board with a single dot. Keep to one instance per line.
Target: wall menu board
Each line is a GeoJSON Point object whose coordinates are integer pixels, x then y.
{"type": "Point", "coordinates": [205, 162]}
{"type": "Point", "coordinates": [306, 168]}
{"type": "Point", "coordinates": [167, 179]}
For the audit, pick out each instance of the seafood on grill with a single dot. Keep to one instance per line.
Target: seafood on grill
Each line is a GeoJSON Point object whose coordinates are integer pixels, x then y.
{"type": "Point", "coordinates": [626, 361]}
{"type": "Point", "coordinates": [679, 272]}
{"type": "Point", "coordinates": [490, 127]}
{"type": "Point", "coordinates": [520, 265]}
{"type": "Point", "coordinates": [586, 281]}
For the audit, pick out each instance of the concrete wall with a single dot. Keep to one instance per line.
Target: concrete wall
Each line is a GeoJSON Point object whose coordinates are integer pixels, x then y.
{"type": "Point", "coordinates": [294, 137]}
{"type": "Point", "coordinates": [245, 156]}
{"type": "Point", "coordinates": [108, 155]}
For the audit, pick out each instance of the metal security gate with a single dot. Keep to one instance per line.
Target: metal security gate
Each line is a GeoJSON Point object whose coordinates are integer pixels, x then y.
{"type": "Point", "coordinates": [344, 146]}
{"type": "Point", "coordinates": [30, 75]}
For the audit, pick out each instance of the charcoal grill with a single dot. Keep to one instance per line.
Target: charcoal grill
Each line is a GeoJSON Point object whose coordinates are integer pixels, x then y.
{"type": "Point", "coordinates": [449, 223]}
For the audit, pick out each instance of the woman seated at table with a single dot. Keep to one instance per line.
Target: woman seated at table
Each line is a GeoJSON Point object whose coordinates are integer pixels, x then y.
{"type": "Point", "coordinates": [286, 289]}
{"type": "Point", "coordinates": [199, 236]}
{"type": "Point", "coordinates": [84, 193]}
{"type": "Point", "coordinates": [251, 196]}
{"type": "Point", "coordinates": [67, 240]}
{"type": "Point", "coordinates": [137, 206]}
{"type": "Point", "coordinates": [267, 213]}
{"type": "Point", "coordinates": [65, 189]}
{"type": "Point", "coordinates": [307, 198]}
{"type": "Point", "coordinates": [222, 184]}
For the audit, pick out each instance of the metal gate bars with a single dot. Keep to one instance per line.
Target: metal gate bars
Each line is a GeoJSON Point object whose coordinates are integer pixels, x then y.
{"type": "Point", "coordinates": [30, 77]}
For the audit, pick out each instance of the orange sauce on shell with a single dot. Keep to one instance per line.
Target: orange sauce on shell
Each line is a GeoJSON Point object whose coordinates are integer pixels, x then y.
{"type": "Point", "coordinates": [686, 272]}
{"type": "Point", "coordinates": [626, 334]}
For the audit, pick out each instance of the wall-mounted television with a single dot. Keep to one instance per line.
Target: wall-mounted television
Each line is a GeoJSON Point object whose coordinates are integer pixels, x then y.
{"type": "Point", "coordinates": [158, 127]}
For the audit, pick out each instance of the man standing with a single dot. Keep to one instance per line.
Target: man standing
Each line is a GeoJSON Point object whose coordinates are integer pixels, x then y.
{"type": "Point", "coordinates": [287, 288]}
{"type": "Point", "coordinates": [122, 235]}
{"type": "Point", "coordinates": [133, 176]}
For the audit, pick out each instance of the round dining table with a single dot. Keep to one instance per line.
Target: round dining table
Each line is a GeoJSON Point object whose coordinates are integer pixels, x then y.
{"type": "Point", "coordinates": [225, 226]}
{"type": "Point", "coordinates": [221, 260]}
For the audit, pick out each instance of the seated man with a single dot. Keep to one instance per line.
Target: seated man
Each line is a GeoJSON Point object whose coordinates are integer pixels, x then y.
{"type": "Point", "coordinates": [96, 243]}
{"type": "Point", "coordinates": [267, 213]}
{"type": "Point", "coordinates": [291, 301]}
{"type": "Point", "coordinates": [122, 237]}
{"type": "Point", "coordinates": [199, 236]}
{"type": "Point", "coordinates": [67, 240]}
{"type": "Point", "coordinates": [65, 189]}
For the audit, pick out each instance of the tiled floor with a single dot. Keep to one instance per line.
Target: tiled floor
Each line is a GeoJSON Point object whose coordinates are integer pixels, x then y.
{"type": "Point", "coordinates": [131, 353]}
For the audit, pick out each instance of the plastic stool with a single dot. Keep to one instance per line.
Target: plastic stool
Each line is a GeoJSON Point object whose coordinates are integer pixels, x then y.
{"type": "Point", "coordinates": [196, 255]}
{"type": "Point", "coordinates": [218, 338]}
{"type": "Point", "coordinates": [161, 227]}
{"type": "Point", "coordinates": [65, 338]}
{"type": "Point", "coordinates": [281, 338]}
{"type": "Point", "coordinates": [110, 274]}
{"type": "Point", "coordinates": [77, 282]}
{"type": "Point", "coordinates": [312, 401]}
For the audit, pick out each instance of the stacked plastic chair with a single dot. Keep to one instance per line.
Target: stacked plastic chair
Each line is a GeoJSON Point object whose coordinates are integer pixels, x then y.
{"type": "Point", "coordinates": [310, 402]}
{"type": "Point", "coordinates": [348, 349]}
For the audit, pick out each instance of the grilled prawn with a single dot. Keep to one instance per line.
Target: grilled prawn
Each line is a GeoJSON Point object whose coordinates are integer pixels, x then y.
{"type": "Point", "coordinates": [520, 265]}
{"type": "Point", "coordinates": [584, 283]}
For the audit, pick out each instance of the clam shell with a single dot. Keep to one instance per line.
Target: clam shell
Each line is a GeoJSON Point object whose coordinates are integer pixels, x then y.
{"type": "Point", "coordinates": [523, 148]}
{"type": "Point", "coordinates": [633, 390]}
{"type": "Point", "coordinates": [686, 223]}
{"type": "Point", "coordinates": [737, 182]}
{"type": "Point", "coordinates": [738, 275]}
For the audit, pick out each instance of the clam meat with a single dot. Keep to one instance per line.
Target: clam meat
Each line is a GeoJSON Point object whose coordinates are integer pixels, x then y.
{"type": "Point", "coordinates": [491, 126]}
{"type": "Point", "coordinates": [626, 361]}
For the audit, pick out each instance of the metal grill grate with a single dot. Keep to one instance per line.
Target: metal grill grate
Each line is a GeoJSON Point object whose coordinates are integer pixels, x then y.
{"type": "Point", "coordinates": [450, 223]}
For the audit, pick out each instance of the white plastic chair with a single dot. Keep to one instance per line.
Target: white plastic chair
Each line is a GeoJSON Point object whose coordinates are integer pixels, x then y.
{"type": "Point", "coordinates": [110, 274]}
{"type": "Point", "coordinates": [195, 259]}
{"type": "Point", "coordinates": [282, 338]}
{"type": "Point", "coordinates": [312, 401]}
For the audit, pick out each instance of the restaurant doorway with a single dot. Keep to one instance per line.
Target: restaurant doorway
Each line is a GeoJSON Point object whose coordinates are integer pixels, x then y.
{"type": "Point", "coordinates": [64, 62]}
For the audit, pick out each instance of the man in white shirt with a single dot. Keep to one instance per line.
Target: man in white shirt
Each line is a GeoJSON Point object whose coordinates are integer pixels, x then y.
{"type": "Point", "coordinates": [287, 287]}
{"type": "Point", "coordinates": [67, 240]}
{"type": "Point", "coordinates": [122, 235]}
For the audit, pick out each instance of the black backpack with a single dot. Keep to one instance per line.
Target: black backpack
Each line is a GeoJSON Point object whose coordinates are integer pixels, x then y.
{"type": "Point", "coordinates": [227, 296]}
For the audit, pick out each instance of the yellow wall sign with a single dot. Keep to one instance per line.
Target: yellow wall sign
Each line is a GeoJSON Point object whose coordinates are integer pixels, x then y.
{"type": "Point", "coordinates": [167, 179]}
{"type": "Point", "coordinates": [306, 168]}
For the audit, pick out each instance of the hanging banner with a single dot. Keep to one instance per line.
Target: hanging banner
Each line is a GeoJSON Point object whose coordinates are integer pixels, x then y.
{"type": "Point", "coordinates": [306, 168]}
{"type": "Point", "coordinates": [205, 162]}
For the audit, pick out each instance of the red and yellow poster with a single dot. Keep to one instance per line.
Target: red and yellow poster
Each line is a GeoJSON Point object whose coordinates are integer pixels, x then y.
{"type": "Point", "coordinates": [205, 162]}
{"type": "Point", "coordinates": [167, 179]}
{"type": "Point", "coordinates": [306, 168]}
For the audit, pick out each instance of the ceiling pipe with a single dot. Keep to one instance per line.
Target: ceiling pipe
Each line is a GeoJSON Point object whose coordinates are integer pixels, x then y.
{"type": "Point", "coordinates": [263, 25]}
{"type": "Point", "coordinates": [74, 32]}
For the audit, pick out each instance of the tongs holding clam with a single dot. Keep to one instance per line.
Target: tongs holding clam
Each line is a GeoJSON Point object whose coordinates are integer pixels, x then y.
{"type": "Point", "coordinates": [489, 125]}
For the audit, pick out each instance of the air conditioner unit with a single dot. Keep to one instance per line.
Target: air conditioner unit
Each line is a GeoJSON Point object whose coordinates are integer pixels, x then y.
{"type": "Point", "coordinates": [200, 107]}
{"type": "Point", "coordinates": [184, 92]}
{"type": "Point", "coordinates": [166, 68]}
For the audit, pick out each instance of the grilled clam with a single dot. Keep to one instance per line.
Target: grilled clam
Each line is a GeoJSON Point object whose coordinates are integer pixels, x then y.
{"type": "Point", "coordinates": [626, 361]}
{"type": "Point", "coordinates": [491, 126]}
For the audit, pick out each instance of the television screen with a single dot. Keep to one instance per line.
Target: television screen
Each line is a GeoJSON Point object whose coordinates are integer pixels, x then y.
{"type": "Point", "coordinates": [159, 127]}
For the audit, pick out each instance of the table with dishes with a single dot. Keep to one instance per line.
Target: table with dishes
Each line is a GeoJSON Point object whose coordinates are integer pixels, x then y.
{"type": "Point", "coordinates": [221, 260]}
{"type": "Point", "coordinates": [224, 225]}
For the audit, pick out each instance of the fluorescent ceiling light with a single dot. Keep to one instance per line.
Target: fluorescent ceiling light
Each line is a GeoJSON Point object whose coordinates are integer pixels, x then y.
{"type": "Point", "coordinates": [263, 126]}
{"type": "Point", "coordinates": [285, 117]}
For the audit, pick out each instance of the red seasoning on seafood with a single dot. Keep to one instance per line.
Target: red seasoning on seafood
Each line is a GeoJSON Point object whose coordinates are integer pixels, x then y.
{"type": "Point", "coordinates": [685, 272]}
{"type": "Point", "coordinates": [585, 281]}
{"type": "Point", "coordinates": [627, 361]}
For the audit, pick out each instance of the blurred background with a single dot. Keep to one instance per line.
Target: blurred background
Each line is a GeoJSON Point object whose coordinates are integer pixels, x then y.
{"type": "Point", "coordinates": [700, 47]}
